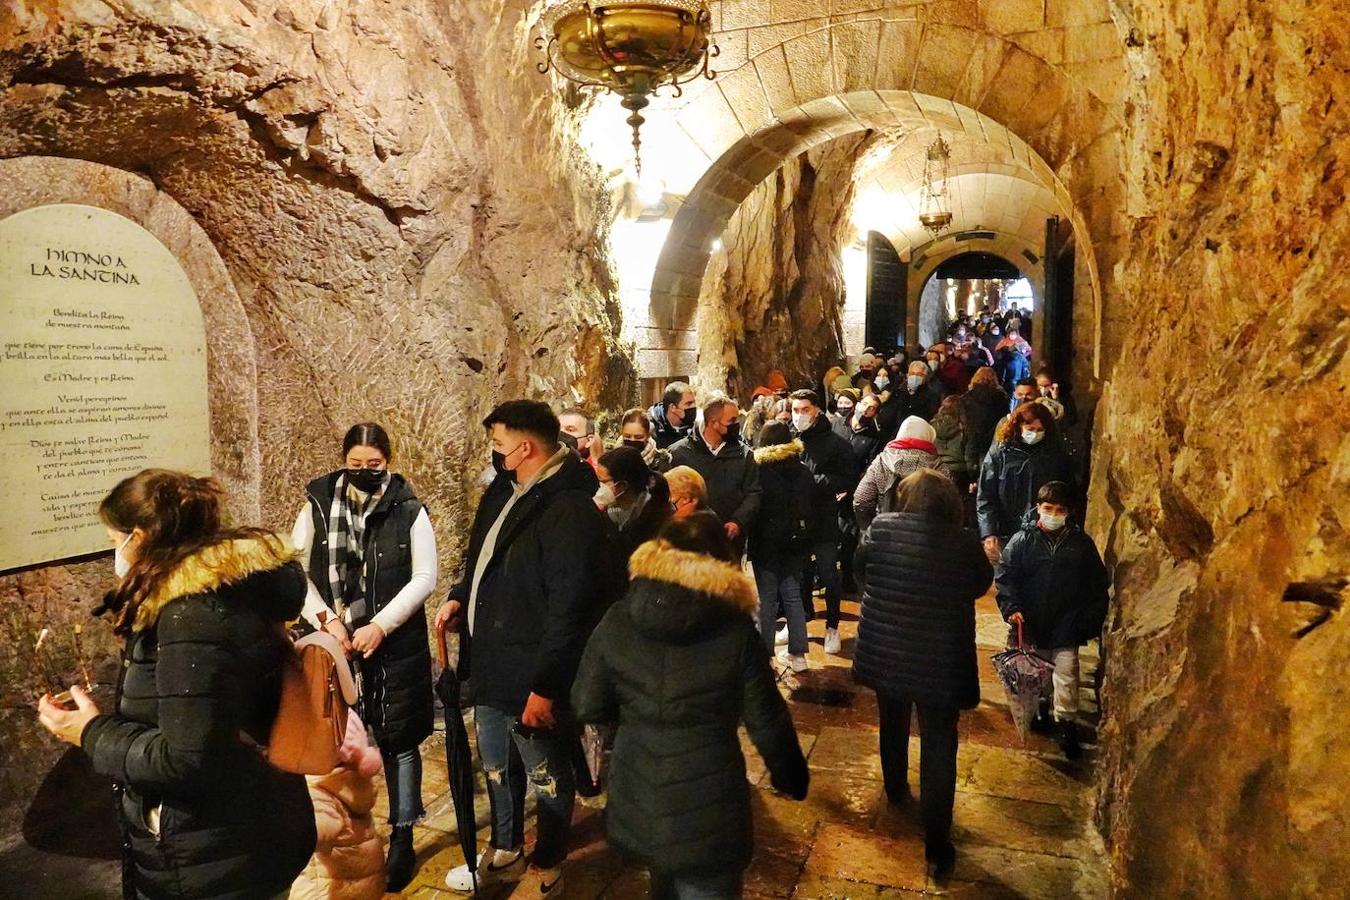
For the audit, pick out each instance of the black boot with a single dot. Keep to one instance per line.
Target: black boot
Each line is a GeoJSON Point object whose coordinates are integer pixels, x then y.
{"type": "Point", "coordinates": [942, 859]}
{"type": "Point", "coordinates": [402, 859]}
{"type": "Point", "coordinates": [1068, 740]}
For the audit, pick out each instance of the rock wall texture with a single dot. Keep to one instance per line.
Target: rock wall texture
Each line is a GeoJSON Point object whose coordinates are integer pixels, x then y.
{"type": "Point", "coordinates": [397, 200]}
{"type": "Point", "coordinates": [1222, 466]}
{"type": "Point", "coordinates": [773, 297]}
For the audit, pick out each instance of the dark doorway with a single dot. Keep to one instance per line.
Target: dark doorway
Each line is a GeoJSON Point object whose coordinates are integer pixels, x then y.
{"type": "Point", "coordinates": [886, 282]}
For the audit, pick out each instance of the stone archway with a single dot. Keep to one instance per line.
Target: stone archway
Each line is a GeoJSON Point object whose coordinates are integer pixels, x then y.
{"type": "Point", "coordinates": [928, 322]}
{"type": "Point", "coordinates": [891, 70]}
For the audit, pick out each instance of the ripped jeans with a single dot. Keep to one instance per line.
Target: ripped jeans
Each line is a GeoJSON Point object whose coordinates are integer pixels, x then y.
{"type": "Point", "coordinates": [509, 760]}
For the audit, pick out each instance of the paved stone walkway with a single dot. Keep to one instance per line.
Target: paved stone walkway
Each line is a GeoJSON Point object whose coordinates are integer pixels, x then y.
{"type": "Point", "coordinates": [1021, 820]}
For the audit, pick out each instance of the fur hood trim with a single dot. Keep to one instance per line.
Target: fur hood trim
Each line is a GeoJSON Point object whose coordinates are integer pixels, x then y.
{"type": "Point", "coordinates": [214, 567]}
{"type": "Point", "coordinates": [778, 452]}
{"type": "Point", "coordinates": [659, 561]}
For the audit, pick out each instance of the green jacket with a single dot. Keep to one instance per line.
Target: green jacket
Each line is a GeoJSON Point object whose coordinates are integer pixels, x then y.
{"type": "Point", "coordinates": [679, 666]}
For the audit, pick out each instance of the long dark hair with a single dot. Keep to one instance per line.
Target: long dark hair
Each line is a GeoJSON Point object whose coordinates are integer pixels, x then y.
{"type": "Point", "coordinates": [627, 465]}
{"type": "Point", "coordinates": [368, 434]}
{"type": "Point", "coordinates": [178, 514]}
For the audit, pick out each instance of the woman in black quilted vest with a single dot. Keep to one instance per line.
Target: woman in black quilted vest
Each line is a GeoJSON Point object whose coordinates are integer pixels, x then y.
{"type": "Point", "coordinates": [368, 547]}
{"type": "Point", "coordinates": [203, 814]}
{"type": "Point", "coordinates": [921, 574]}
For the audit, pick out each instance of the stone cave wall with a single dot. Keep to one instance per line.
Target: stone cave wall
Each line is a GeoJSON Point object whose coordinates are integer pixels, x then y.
{"type": "Point", "coordinates": [399, 257]}
{"type": "Point", "coordinates": [773, 297]}
{"type": "Point", "coordinates": [1221, 487]}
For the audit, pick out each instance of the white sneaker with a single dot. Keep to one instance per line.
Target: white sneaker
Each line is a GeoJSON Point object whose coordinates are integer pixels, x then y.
{"type": "Point", "coordinates": [494, 867]}
{"type": "Point", "coordinates": [832, 644]}
{"type": "Point", "coordinates": [780, 637]}
{"type": "Point", "coordinates": [794, 661]}
{"type": "Point", "coordinates": [540, 883]}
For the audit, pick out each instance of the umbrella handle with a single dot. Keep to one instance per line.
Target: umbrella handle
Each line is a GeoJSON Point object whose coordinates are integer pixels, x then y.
{"type": "Point", "coordinates": [1021, 644]}
{"type": "Point", "coordinates": [442, 653]}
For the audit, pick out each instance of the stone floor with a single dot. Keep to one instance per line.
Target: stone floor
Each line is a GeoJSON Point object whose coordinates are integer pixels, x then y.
{"type": "Point", "coordinates": [1021, 818]}
{"type": "Point", "coordinates": [1021, 823]}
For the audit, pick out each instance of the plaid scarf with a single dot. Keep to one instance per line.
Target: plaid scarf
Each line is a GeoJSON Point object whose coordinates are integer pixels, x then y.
{"type": "Point", "coordinates": [346, 550]}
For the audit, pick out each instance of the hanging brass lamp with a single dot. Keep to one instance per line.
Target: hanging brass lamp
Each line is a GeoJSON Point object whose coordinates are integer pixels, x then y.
{"type": "Point", "coordinates": [630, 47]}
{"type": "Point", "coordinates": [935, 208]}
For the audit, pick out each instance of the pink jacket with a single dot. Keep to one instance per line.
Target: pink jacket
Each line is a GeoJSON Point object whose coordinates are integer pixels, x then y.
{"type": "Point", "coordinates": [348, 863]}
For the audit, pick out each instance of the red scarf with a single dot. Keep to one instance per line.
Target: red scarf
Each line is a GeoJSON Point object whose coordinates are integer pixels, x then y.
{"type": "Point", "coordinates": [912, 444]}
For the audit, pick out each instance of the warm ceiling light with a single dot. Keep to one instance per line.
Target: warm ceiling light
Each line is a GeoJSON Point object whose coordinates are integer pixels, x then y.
{"type": "Point", "coordinates": [630, 47]}
{"type": "Point", "coordinates": [935, 206]}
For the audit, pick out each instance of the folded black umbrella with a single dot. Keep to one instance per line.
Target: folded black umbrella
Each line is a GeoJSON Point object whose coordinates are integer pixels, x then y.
{"type": "Point", "coordinates": [459, 759]}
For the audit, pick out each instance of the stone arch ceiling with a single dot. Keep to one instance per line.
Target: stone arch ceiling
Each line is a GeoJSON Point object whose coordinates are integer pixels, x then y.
{"type": "Point", "coordinates": [990, 190]}
{"type": "Point", "coordinates": [1046, 78]}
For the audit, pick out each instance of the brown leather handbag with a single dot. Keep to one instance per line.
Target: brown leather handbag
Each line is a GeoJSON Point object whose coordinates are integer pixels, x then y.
{"type": "Point", "coordinates": [317, 690]}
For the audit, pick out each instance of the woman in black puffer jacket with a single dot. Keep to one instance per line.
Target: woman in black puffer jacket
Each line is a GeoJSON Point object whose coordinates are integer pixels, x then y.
{"type": "Point", "coordinates": [201, 610]}
{"type": "Point", "coordinates": [678, 665]}
{"type": "Point", "coordinates": [921, 573]}
{"type": "Point", "coordinates": [779, 538]}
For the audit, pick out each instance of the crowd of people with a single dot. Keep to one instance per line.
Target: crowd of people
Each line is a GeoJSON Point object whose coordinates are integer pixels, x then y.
{"type": "Point", "coordinates": [637, 587]}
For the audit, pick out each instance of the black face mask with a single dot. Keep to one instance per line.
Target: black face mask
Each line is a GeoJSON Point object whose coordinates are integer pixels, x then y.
{"type": "Point", "coordinates": [635, 443]}
{"type": "Point", "coordinates": [733, 432]}
{"type": "Point", "coordinates": [367, 481]}
{"type": "Point", "coordinates": [499, 462]}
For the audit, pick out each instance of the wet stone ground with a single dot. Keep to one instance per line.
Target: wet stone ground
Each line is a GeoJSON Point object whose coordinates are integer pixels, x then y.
{"type": "Point", "coordinates": [1021, 819]}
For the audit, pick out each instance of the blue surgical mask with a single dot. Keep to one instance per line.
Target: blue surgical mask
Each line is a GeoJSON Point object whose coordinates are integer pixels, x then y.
{"type": "Point", "coordinates": [915, 382]}
{"type": "Point", "coordinates": [1052, 523]}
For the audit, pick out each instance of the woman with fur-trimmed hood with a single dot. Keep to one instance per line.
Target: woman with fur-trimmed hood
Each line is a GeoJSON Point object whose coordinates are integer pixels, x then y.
{"type": "Point", "coordinates": [679, 667]}
{"type": "Point", "coordinates": [201, 610]}
{"type": "Point", "coordinates": [780, 538]}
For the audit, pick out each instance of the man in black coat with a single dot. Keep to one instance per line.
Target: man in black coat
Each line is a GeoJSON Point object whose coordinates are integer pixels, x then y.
{"type": "Point", "coordinates": [533, 587]}
{"type": "Point", "coordinates": [1053, 586]}
{"type": "Point", "coordinates": [715, 450]}
{"type": "Point", "coordinates": [673, 417]}
{"type": "Point", "coordinates": [830, 460]}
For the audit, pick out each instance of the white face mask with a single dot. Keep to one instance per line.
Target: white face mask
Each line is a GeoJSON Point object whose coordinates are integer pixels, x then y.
{"type": "Point", "coordinates": [121, 565]}
{"type": "Point", "coordinates": [1031, 438]}
{"type": "Point", "coordinates": [801, 421]}
{"type": "Point", "coordinates": [1052, 523]}
{"type": "Point", "coordinates": [932, 365]}
{"type": "Point", "coordinates": [882, 382]}
{"type": "Point", "coordinates": [605, 497]}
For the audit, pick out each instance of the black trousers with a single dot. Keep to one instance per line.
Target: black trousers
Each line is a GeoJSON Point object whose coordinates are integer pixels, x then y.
{"type": "Point", "coordinates": [937, 763]}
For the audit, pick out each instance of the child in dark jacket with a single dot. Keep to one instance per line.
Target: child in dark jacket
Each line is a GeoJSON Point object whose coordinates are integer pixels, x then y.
{"type": "Point", "coordinates": [1052, 583]}
{"type": "Point", "coordinates": [778, 540]}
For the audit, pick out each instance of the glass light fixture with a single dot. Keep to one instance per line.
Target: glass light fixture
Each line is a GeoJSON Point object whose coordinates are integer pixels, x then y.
{"type": "Point", "coordinates": [935, 205]}
{"type": "Point", "coordinates": [630, 47]}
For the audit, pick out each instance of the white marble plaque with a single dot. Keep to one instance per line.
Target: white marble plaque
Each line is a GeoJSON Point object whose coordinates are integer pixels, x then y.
{"type": "Point", "coordinates": [102, 374]}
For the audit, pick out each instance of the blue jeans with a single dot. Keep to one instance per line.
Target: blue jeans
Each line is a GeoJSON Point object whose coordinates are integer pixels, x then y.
{"type": "Point", "coordinates": [777, 579]}
{"type": "Point", "coordinates": [508, 760]}
{"type": "Point", "coordinates": [710, 886]}
{"type": "Point", "coordinates": [403, 777]}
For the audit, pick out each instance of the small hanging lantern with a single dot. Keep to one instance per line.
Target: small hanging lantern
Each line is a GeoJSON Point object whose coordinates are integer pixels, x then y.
{"type": "Point", "coordinates": [935, 206]}
{"type": "Point", "coordinates": [630, 47]}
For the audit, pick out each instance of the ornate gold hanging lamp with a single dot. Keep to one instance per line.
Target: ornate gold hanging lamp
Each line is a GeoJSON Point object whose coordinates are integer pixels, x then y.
{"type": "Point", "coordinates": [630, 47]}
{"type": "Point", "coordinates": [935, 206]}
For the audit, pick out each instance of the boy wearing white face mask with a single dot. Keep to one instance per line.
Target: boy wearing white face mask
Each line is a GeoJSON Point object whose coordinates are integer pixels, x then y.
{"type": "Point", "coordinates": [1052, 583]}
